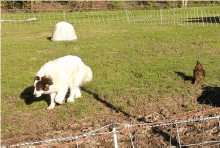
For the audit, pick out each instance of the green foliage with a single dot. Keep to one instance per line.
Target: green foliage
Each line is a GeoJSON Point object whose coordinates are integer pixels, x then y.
{"type": "Point", "coordinates": [111, 5]}
{"type": "Point", "coordinates": [116, 5]}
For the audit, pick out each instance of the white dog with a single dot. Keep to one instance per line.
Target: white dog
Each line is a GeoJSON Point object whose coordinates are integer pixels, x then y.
{"type": "Point", "coordinates": [57, 76]}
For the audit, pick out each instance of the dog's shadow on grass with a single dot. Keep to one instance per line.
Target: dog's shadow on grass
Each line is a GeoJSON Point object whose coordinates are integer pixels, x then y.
{"type": "Point", "coordinates": [185, 77]}
{"type": "Point", "coordinates": [28, 97]}
{"type": "Point", "coordinates": [49, 38]}
{"type": "Point", "coordinates": [210, 96]}
{"type": "Point", "coordinates": [105, 102]}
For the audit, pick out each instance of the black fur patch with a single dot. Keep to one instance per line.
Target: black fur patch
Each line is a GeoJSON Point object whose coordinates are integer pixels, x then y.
{"type": "Point", "coordinates": [36, 78]}
{"type": "Point", "coordinates": [44, 83]}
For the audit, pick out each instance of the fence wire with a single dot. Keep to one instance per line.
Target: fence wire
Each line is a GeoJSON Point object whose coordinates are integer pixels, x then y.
{"type": "Point", "coordinates": [130, 128]}
{"type": "Point", "coordinates": [184, 17]}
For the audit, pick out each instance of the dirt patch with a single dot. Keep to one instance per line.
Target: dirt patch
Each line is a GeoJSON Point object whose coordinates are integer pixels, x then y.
{"type": "Point", "coordinates": [40, 124]}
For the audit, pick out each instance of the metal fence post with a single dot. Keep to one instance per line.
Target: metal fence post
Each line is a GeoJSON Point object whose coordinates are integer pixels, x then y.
{"type": "Point", "coordinates": [64, 15]}
{"type": "Point", "coordinates": [177, 129]}
{"type": "Point", "coordinates": [115, 136]}
{"type": "Point", "coordinates": [127, 16]}
{"type": "Point", "coordinates": [202, 19]}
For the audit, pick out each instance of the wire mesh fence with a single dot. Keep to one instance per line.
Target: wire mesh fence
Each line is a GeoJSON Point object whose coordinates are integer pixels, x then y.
{"type": "Point", "coordinates": [185, 17]}
{"type": "Point", "coordinates": [199, 130]}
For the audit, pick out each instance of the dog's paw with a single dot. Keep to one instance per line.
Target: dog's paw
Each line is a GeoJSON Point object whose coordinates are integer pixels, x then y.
{"type": "Point", "coordinates": [70, 100]}
{"type": "Point", "coordinates": [51, 107]}
{"type": "Point", "coordinates": [78, 96]}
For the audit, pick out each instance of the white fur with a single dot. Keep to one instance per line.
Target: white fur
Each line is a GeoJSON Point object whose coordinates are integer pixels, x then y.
{"type": "Point", "coordinates": [68, 72]}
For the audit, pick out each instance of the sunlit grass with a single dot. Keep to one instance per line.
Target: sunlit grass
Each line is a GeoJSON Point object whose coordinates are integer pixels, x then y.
{"type": "Point", "coordinates": [131, 63]}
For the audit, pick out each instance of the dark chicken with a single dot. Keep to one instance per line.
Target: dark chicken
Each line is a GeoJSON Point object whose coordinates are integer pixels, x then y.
{"type": "Point", "coordinates": [198, 72]}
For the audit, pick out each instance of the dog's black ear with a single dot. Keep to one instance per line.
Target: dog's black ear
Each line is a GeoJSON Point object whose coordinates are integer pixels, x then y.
{"type": "Point", "coordinates": [47, 80]}
{"type": "Point", "coordinates": [36, 78]}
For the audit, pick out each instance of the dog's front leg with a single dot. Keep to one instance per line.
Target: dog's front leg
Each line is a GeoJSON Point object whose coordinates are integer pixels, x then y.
{"type": "Point", "coordinates": [52, 103]}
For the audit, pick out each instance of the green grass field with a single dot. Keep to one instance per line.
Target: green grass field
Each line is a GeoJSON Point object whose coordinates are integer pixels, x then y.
{"type": "Point", "coordinates": [134, 62]}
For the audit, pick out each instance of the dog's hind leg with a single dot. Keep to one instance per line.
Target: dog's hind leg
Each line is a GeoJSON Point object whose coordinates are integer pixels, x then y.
{"type": "Point", "coordinates": [78, 93]}
{"type": "Point", "coordinates": [74, 93]}
{"type": "Point", "coordinates": [52, 103]}
{"type": "Point", "coordinates": [61, 96]}
{"type": "Point", "coordinates": [74, 84]}
{"type": "Point", "coordinates": [70, 99]}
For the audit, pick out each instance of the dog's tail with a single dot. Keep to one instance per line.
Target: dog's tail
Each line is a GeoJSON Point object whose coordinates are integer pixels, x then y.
{"type": "Point", "coordinates": [88, 74]}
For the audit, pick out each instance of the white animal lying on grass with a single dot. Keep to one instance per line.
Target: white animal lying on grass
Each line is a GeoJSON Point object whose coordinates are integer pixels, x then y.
{"type": "Point", "coordinates": [57, 76]}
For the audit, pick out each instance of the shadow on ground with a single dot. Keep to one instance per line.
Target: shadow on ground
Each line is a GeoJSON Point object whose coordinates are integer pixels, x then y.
{"type": "Point", "coordinates": [28, 97]}
{"type": "Point", "coordinates": [49, 38]}
{"type": "Point", "coordinates": [210, 96]}
{"type": "Point", "coordinates": [185, 77]}
{"type": "Point", "coordinates": [166, 136]}
{"type": "Point", "coordinates": [214, 19]}
{"type": "Point", "coordinates": [106, 103]}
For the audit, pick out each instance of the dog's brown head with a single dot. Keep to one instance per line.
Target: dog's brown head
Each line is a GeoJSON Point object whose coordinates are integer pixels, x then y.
{"type": "Point", "coordinates": [41, 85]}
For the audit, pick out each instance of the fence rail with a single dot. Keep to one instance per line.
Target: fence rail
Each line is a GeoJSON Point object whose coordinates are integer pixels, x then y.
{"type": "Point", "coordinates": [134, 127]}
{"type": "Point", "coordinates": [185, 17]}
